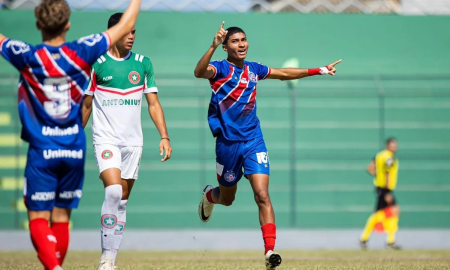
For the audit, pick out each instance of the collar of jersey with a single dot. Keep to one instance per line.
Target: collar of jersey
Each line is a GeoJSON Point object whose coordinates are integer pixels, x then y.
{"type": "Point", "coordinates": [119, 59]}
{"type": "Point", "coordinates": [235, 65]}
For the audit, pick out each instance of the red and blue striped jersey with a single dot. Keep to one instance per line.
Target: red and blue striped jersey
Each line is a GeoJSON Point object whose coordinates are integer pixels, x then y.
{"type": "Point", "coordinates": [51, 87]}
{"type": "Point", "coordinates": [232, 110]}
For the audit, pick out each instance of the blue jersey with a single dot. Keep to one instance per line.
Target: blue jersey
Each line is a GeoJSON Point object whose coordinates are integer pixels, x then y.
{"type": "Point", "coordinates": [51, 87]}
{"type": "Point", "coordinates": [232, 110]}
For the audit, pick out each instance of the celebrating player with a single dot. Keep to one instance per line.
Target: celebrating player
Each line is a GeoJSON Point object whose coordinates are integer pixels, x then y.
{"type": "Point", "coordinates": [385, 170]}
{"type": "Point", "coordinates": [118, 80]}
{"type": "Point", "coordinates": [53, 77]}
{"type": "Point", "coordinates": [233, 121]}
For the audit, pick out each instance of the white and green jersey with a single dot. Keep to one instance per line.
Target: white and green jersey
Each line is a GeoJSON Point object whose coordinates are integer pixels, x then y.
{"type": "Point", "coordinates": [117, 86]}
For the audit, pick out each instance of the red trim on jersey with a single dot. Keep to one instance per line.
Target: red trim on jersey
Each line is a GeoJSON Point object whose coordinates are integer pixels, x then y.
{"type": "Point", "coordinates": [93, 85]}
{"type": "Point", "coordinates": [1, 42]}
{"type": "Point", "coordinates": [120, 93]}
{"type": "Point", "coordinates": [251, 103]}
{"type": "Point", "coordinates": [237, 92]}
{"type": "Point", "coordinates": [220, 83]}
{"type": "Point", "coordinates": [268, 73]}
{"type": "Point", "coordinates": [215, 71]}
{"type": "Point", "coordinates": [78, 61]}
{"type": "Point", "coordinates": [48, 65]}
{"type": "Point", "coordinates": [34, 84]}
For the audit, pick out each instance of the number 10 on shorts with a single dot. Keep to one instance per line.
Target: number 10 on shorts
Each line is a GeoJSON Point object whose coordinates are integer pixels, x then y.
{"type": "Point", "coordinates": [262, 157]}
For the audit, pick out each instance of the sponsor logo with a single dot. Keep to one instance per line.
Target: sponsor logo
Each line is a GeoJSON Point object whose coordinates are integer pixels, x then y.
{"type": "Point", "coordinates": [107, 154]}
{"type": "Point", "coordinates": [56, 56]}
{"type": "Point", "coordinates": [252, 77]}
{"type": "Point", "coordinates": [262, 157]}
{"type": "Point", "coordinates": [107, 78]}
{"type": "Point", "coordinates": [120, 227]}
{"type": "Point", "coordinates": [109, 221]}
{"type": "Point", "coordinates": [56, 131]}
{"type": "Point", "coordinates": [229, 176]}
{"type": "Point", "coordinates": [71, 194]}
{"type": "Point", "coordinates": [17, 46]}
{"type": "Point", "coordinates": [121, 102]}
{"type": "Point", "coordinates": [50, 154]}
{"type": "Point", "coordinates": [134, 77]}
{"type": "Point", "coordinates": [43, 196]}
{"type": "Point", "coordinates": [244, 80]}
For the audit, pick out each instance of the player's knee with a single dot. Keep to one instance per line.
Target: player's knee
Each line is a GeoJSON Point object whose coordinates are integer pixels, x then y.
{"type": "Point", "coordinates": [262, 197]}
{"type": "Point", "coordinates": [227, 201]}
{"type": "Point", "coordinates": [113, 193]}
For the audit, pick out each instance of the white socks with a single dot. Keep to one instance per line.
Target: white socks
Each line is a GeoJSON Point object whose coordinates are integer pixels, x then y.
{"type": "Point", "coordinates": [109, 220]}
{"type": "Point", "coordinates": [121, 222]}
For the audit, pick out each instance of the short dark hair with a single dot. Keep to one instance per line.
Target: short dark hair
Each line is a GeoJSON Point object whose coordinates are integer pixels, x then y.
{"type": "Point", "coordinates": [390, 139]}
{"type": "Point", "coordinates": [114, 19]}
{"type": "Point", "coordinates": [231, 31]}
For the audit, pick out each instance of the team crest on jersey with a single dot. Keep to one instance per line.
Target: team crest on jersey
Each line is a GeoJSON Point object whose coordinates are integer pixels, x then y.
{"type": "Point", "coordinates": [229, 176]}
{"type": "Point", "coordinates": [134, 77]}
{"type": "Point", "coordinates": [120, 228]}
{"type": "Point", "coordinates": [109, 221]}
{"type": "Point", "coordinates": [107, 154]}
{"type": "Point", "coordinates": [252, 77]}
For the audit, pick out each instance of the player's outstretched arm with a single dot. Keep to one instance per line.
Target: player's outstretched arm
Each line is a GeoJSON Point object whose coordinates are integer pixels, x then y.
{"type": "Point", "coordinates": [157, 114]}
{"type": "Point", "coordinates": [298, 73]}
{"type": "Point", "coordinates": [87, 109]}
{"type": "Point", "coordinates": [203, 70]}
{"type": "Point", "coordinates": [126, 23]}
{"type": "Point", "coordinates": [2, 37]}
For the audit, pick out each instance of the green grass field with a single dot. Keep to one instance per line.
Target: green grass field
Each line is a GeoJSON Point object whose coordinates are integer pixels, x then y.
{"type": "Point", "coordinates": [206, 260]}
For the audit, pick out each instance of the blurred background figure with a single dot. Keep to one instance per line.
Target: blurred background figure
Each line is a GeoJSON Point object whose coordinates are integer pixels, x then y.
{"type": "Point", "coordinates": [384, 168]}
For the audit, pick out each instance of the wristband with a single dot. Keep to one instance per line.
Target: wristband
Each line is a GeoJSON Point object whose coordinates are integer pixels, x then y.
{"type": "Point", "coordinates": [165, 139]}
{"type": "Point", "coordinates": [318, 71]}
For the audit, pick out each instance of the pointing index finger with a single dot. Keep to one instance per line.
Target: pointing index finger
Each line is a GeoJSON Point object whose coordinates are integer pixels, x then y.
{"type": "Point", "coordinates": [337, 62]}
{"type": "Point", "coordinates": [221, 26]}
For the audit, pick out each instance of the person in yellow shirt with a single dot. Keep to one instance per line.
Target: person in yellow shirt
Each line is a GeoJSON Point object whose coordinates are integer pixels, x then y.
{"type": "Point", "coordinates": [385, 219]}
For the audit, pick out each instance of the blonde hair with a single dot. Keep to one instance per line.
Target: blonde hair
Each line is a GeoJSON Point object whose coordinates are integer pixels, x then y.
{"type": "Point", "coordinates": [52, 16]}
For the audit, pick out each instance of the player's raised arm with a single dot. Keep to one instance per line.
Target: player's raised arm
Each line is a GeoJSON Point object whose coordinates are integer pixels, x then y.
{"type": "Point", "coordinates": [298, 73]}
{"type": "Point", "coordinates": [2, 37]}
{"type": "Point", "coordinates": [126, 23]}
{"type": "Point", "coordinates": [203, 70]}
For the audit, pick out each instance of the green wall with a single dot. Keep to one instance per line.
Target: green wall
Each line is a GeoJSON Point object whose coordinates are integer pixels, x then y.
{"type": "Point", "coordinates": [392, 82]}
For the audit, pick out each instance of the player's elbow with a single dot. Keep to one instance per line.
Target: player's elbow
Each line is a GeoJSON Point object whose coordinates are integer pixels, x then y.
{"type": "Point", "coordinates": [198, 74]}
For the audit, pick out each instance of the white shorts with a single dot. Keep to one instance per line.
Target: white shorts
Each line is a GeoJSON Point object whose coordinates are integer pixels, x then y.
{"type": "Point", "coordinates": [125, 158]}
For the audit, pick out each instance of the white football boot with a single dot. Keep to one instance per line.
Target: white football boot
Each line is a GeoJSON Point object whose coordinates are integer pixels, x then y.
{"type": "Point", "coordinates": [273, 260]}
{"type": "Point", "coordinates": [205, 208]}
{"type": "Point", "coordinates": [57, 268]}
{"type": "Point", "coordinates": [106, 264]}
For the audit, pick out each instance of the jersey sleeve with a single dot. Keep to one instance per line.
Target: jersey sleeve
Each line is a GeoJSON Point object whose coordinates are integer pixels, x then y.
{"type": "Point", "coordinates": [149, 83]}
{"type": "Point", "coordinates": [15, 52]}
{"type": "Point", "coordinates": [90, 48]}
{"type": "Point", "coordinates": [219, 70]}
{"type": "Point", "coordinates": [262, 71]}
{"type": "Point", "coordinates": [92, 86]}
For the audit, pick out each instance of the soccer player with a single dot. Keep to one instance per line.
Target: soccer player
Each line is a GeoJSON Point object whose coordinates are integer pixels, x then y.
{"type": "Point", "coordinates": [385, 170]}
{"type": "Point", "coordinates": [119, 78]}
{"type": "Point", "coordinates": [53, 76]}
{"type": "Point", "coordinates": [233, 121]}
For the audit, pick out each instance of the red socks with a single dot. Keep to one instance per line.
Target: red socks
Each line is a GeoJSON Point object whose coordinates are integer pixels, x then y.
{"type": "Point", "coordinates": [61, 232]}
{"type": "Point", "coordinates": [208, 196]}
{"type": "Point", "coordinates": [269, 232]}
{"type": "Point", "coordinates": [44, 242]}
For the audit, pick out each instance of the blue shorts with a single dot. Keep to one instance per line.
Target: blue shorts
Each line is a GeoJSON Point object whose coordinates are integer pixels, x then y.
{"type": "Point", "coordinates": [232, 157]}
{"type": "Point", "coordinates": [53, 177]}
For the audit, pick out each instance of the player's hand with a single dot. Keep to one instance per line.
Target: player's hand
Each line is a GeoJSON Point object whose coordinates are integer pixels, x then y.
{"type": "Point", "coordinates": [220, 36]}
{"type": "Point", "coordinates": [332, 69]}
{"type": "Point", "coordinates": [164, 147]}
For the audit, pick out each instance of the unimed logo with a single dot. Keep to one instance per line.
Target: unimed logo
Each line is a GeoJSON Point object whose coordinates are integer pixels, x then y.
{"type": "Point", "coordinates": [59, 153]}
{"type": "Point", "coordinates": [71, 194]}
{"type": "Point", "coordinates": [43, 196]}
{"type": "Point", "coordinates": [56, 131]}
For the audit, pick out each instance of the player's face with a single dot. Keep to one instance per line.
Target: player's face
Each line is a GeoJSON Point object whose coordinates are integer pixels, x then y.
{"type": "Point", "coordinates": [128, 40]}
{"type": "Point", "coordinates": [392, 146]}
{"type": "Point", "coordinates": [237, 46]}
